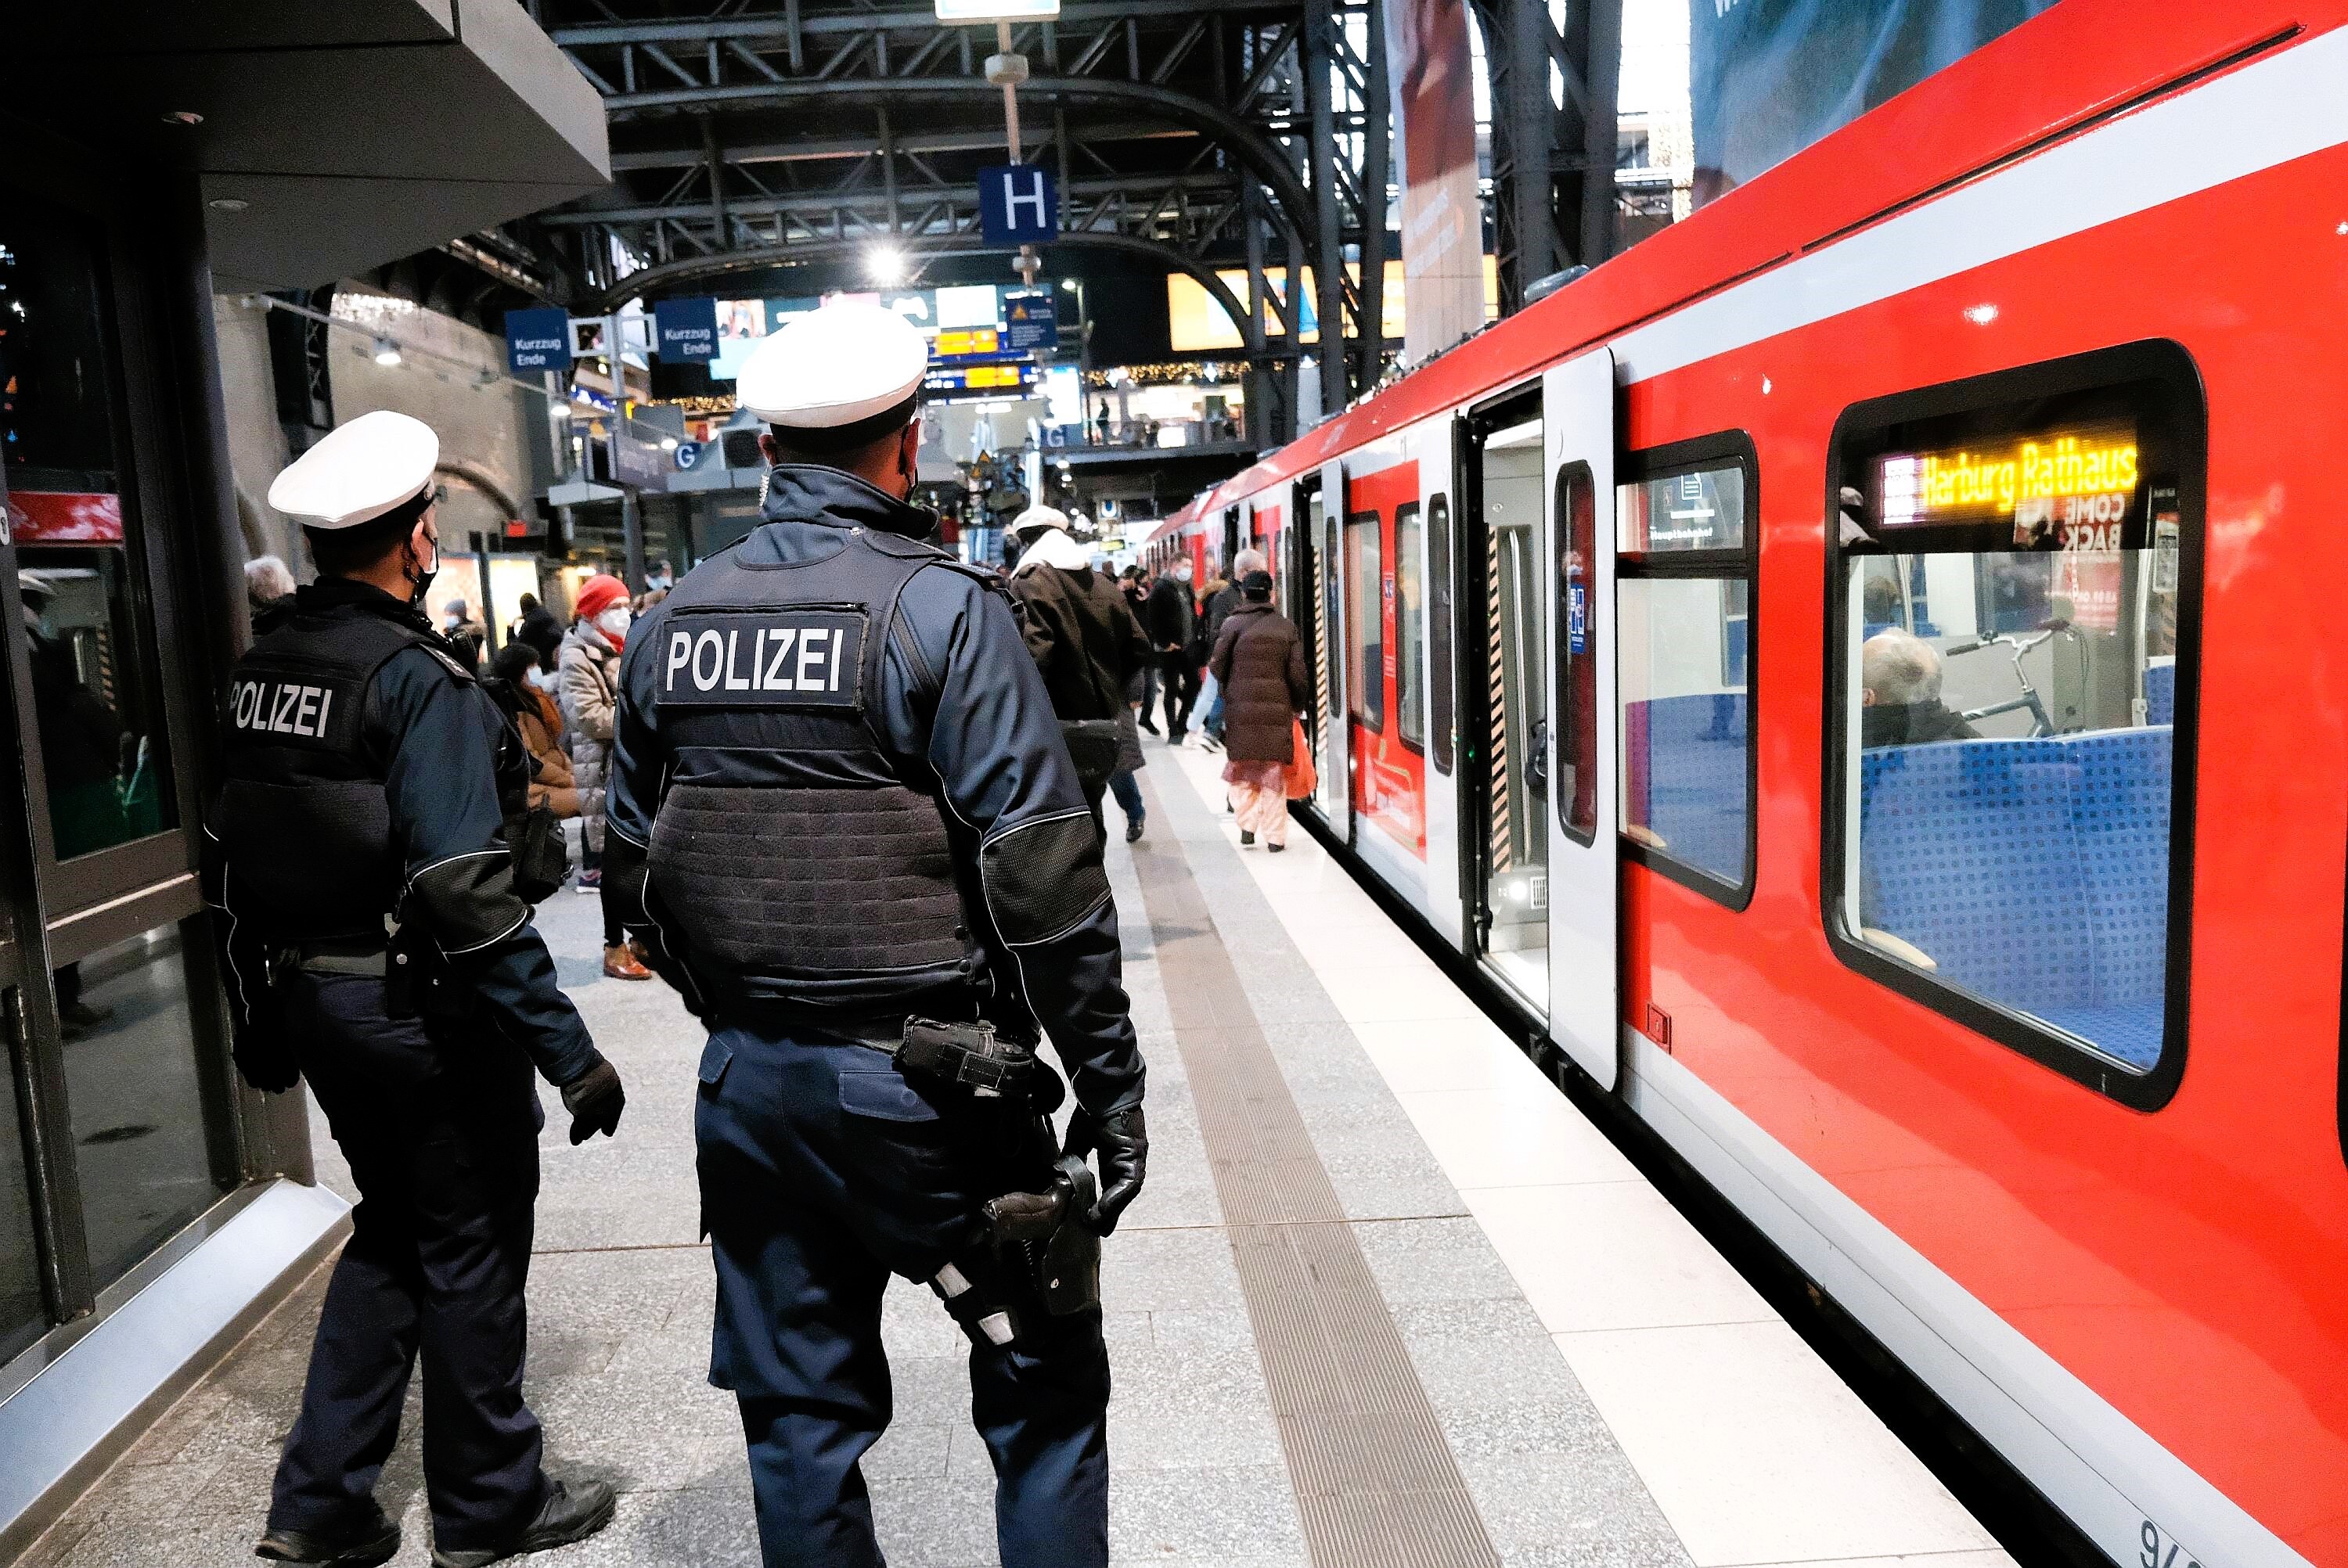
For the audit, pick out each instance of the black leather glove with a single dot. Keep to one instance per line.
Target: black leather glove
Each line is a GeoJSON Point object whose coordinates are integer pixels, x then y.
{"type": "Point", "coordinates": [1123, 1144]}
{"type": "Point", "coordinates": [264, 1057]}
{"type": "Point", "coordinates": [594, 1099]}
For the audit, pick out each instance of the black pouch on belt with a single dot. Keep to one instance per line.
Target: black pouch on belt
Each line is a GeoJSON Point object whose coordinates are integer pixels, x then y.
{"type": "Point", "coordinates": [974, 1056]}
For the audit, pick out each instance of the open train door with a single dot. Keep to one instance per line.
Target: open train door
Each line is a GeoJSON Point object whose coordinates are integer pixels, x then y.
{"type": "Point", "coordinates": [1585, 997]}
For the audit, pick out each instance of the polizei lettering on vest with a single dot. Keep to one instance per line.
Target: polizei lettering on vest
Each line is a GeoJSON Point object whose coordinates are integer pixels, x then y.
{"type": "Point", "coordinates": [281, 708]}
{"type": "Point", "coordinates": [763, 658]}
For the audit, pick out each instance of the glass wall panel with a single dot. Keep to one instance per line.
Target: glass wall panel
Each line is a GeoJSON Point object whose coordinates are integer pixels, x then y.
{"type": "Point", "coordinates": [132, 1081]}
{"type": "Point", "coordinates": [23, 1314]}
{"type": "Point", "coordinates": [74, 523]}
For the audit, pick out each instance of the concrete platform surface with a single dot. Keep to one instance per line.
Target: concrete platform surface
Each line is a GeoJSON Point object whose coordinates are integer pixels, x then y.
{"type": "Point", "coordinates": [1582, 1378]}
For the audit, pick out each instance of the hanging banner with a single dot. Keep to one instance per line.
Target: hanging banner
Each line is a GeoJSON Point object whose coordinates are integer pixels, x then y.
{"type": "Point", "coordinates": [1768, 78]}
{"type": "Point", "coordinates": [1442, 218]}
{"type": "Point", "coordinates": [537, 340]}
{"type": "Point", "coordinates": [686, 330]}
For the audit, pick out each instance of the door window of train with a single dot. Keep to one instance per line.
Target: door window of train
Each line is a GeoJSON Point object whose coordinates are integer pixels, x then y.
{"type": "Point", "coordinates": [1438, 615]}
{"type": "Point", "coordinates": [2013, 610]}
{"type": "Point", "coordinates": [1684, 595]}
{"type": "Point", "coordinates": [1515, 667]}
{"type": "Point", "coordinates": [1410, 630]}
{"type": "Point", "coordinates": [1366, 653]}
{"type": "Point", "coordinates": [1577, 664]}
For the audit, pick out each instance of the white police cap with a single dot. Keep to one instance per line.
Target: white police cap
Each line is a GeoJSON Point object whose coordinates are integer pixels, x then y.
{"type": "Point", "coordinates": [841, 375]}
{"type": "Point", "coordinates": [1039, 519]}
{"type": "Point", "coordinates": [373, 464]}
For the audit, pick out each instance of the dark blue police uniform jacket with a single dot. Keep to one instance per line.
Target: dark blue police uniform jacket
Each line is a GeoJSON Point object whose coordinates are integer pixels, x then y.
{"type": "Point", "coordinates": [823, 1169]}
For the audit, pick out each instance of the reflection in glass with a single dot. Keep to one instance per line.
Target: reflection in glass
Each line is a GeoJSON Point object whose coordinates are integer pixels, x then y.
{"type": "Point", "coordinates": [23, 1315]}
{"type": "Point", "coordinates": [133, 1083]}
{"type": "Point", "coordinates": [1410, 630]}
{"type": "Point", "coordinates": [94, 694]}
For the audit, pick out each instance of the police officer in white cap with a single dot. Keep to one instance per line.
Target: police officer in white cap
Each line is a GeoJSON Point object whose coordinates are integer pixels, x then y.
{"type": "Point", "coordinates": [843, 819]}
{"type": "Point", "coordinates": [371, 889]}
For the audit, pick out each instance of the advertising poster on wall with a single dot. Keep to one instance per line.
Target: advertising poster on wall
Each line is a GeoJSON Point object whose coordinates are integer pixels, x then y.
{"type": "Point", "coordinates": [1442, 219]}
{"type": "Point", "coordinates": [1768, 78]}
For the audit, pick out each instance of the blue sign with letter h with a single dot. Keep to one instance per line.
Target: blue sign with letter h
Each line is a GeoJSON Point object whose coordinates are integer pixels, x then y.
{"type": "Point", "coordinates": [1017, 204]}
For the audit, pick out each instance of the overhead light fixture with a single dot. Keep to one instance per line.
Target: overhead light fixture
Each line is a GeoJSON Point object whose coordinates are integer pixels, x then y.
{"type": "Point", "coordinates": [997, 10]}
{"type": "Point", "coordinates": [386, 353]}
{"type": "Point", "coordinates": [227, 204]}
{"type": "Point", "coordinates": [885, 265]}
{"type": "Point", "coordinates": [1069, 284]}
{"type": "Point", "coordinates": [668, 442]}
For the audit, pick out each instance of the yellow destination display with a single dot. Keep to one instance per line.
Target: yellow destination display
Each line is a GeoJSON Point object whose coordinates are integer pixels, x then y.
{"type": "Point", "coordinates": [2080, 481]}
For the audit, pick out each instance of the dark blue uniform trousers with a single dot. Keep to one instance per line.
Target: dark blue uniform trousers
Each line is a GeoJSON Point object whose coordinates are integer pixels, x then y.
{"type": "Point", "coordinates": [822, 1172]}
{"type": "Point", "coordinates": [441, 1133]}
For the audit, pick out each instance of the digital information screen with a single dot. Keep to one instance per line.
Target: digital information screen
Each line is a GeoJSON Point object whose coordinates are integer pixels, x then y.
{"type": "Point", "coordinates": [2073, 488]}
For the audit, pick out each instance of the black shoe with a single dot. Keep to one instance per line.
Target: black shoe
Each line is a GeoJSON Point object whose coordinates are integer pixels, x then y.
{"type": "Point", "coordinates": [1275, 848]}
{"type": "Point", "coordinates": [1247, 835]}
{"type": "Point", "coordinates": [1133, 831]}
{"type": "Point", "coordinates": [360, 1544]}
{"type": "Point", "coordinates": [564, 1517]}
{"type": "Point", "coordinates": [1148, 725]}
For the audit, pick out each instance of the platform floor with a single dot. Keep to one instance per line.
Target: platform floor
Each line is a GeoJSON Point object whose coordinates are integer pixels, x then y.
{"type": "Point", "coordinates": [1388, 1299]}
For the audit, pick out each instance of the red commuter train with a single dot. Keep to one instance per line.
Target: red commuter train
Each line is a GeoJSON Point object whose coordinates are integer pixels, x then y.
{"type": "Point", "coordinates": [1858, 674]}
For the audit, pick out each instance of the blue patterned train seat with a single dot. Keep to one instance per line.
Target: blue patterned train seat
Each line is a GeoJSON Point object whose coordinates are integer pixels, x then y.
{"type": "Point", "coordinates": [1688, 777]}
{"type": "Point", "coordinates": [2033, 872]}
{"type": "Point", "coordinates": [2160, 694]}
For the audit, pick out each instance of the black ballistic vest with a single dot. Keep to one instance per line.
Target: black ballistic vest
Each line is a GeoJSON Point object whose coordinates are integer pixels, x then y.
{"type": "Point", "coordinates": [303, 816]}
{"type": "Point", "coordinates": [798, 865]}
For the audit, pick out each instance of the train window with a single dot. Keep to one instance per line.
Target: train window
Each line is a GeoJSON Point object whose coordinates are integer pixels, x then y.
{"type": "Point", "coordinates": [1683, 595]}
{"type": "Point", "coordinates": [1439, 617]}
{"type": "Point", "coordinates": [1410, 630]}
{"type": "Point", "coordinates": [1366, 649]}
{"type": "Point", "coordinates": [1577, 668]}
{"type": "Point", "coordinates": [2012, 631]}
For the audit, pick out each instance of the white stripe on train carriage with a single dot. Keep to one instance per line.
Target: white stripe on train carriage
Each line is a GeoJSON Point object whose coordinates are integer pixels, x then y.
{"type": "Point", "coordinates": [2231, 127]}
{"type": "Point", "coordinates": [2105, 1472]}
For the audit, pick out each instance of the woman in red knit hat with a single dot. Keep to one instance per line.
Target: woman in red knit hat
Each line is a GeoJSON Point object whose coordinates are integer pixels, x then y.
{"type": "Point", "coordinates": [587, 677]}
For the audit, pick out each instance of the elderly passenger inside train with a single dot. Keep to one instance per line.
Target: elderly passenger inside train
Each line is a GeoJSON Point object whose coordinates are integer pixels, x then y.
{"type": "Point", "coordinates": [1899, 694]}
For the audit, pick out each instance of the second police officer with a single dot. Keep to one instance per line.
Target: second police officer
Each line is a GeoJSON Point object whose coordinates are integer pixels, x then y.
{"type": "Point", "coordinates": [844, 820]}
{"type": "Point", "coordinates": [372, 784]}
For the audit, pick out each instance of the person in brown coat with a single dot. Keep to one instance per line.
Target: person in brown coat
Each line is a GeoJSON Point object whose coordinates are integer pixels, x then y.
{"type": "Point", "coordinates": [541, 724]}
{"type": "Point", "coordinates": [1259, 663]}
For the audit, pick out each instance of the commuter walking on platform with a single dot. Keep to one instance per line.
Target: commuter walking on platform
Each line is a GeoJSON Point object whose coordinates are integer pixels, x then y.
{"type": "Point", "coordinates": [1136, 586]}
{"type": "Point", "coordinates": [1260, 660]}
{"type": "Point", "coordinates": [1173, 622]}
{"type": "Point", "coordinates": [1084, 642]}
{"type": "Point", "coordinates": [843, 815]}
{"type": "Point", "coordinates": [1221, 598]}
{"type": "Point", "coordinates": [540, 632]}
{"type": "Point", "coordinates": [588, 678]}
{"type": "Point", "coordinates": [370, 784]}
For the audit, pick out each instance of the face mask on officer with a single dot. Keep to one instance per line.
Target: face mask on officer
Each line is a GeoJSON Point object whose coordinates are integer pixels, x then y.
{"type": "Point", "coordinates": [424, 543]}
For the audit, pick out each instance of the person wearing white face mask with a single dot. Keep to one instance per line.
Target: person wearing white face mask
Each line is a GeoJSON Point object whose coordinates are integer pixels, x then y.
{"type": "Point", "coordinates": [587, 677]}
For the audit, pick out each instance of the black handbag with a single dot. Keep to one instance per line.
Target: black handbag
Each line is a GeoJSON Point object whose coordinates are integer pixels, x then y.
{"type": "Point", "coordinates": [1093, 746]}
{"type": "Point", "coordinates": [541, 856]}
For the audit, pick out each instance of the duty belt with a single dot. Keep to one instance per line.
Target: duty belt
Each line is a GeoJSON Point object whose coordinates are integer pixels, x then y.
{"type": "Point", "coordinates": [346, 956]}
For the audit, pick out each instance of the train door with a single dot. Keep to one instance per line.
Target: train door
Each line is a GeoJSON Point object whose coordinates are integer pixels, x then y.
{"type": "Point", "coordinates": [1504, 708]}
{"type": "Point", "coordinates": [1384, 667]}
{"type": "Point", "coordinates": [1299, 592]}
{"type": "Point", "coordinates": [1583, 910]}
{"type": "Point", "coordinates": [1334, 690]}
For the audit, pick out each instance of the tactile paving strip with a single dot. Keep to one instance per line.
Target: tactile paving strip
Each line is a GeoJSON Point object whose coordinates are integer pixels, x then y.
{"type": "Point", "coordinates": [1377, 1485]}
